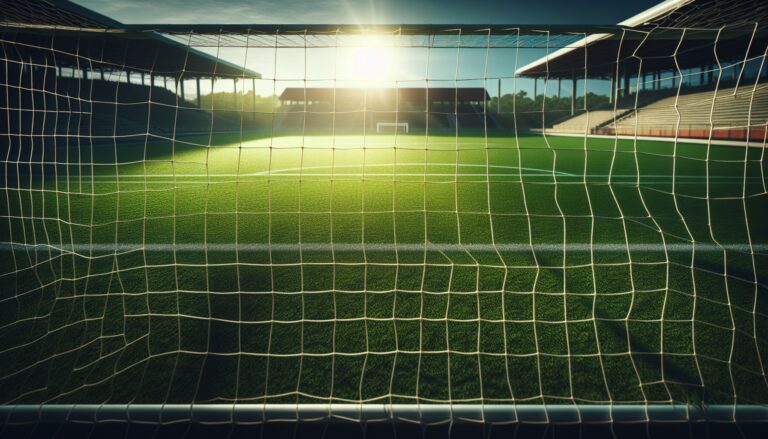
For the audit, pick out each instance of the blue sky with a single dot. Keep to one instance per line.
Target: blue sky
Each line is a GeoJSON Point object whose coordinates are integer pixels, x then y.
{"type": "Point", "coordinates": [370, 11]}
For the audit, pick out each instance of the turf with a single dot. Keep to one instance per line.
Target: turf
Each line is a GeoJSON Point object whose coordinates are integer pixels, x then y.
{"type": "Point", "coordinates": [384, 268]}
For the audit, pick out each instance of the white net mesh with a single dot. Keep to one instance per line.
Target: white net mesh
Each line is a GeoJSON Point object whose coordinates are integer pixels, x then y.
{"type": "Point", "coordinates": [215, 217]}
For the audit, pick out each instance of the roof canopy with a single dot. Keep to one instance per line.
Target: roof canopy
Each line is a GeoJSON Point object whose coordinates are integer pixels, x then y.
{"type": "Point", "coordinates": [673, 34]}
{"type": "Point", "coordinates": [73, 35]}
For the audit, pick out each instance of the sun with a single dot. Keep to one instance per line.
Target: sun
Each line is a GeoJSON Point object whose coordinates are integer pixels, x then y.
{"type": "Point", "coordinates": [373, 60]}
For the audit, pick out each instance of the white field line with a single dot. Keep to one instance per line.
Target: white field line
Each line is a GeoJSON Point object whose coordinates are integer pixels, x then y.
{"type": "Point", "coordinates": [431, 179]}
{"type": "Point", "coordinates": [643, 179]}
{"type": "Point", "coordinates": [534, 172]}
{"type": "Point", "coordinates": [616, 179]}
{"type": "Point", "coordinates": [302, 172]}
{"type": "Point", "coordinates": [83, 248]}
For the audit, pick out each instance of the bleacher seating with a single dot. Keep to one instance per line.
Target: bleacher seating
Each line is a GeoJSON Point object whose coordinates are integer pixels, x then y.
{"type": "Point", "coordinates": [588, 120]}
{"type": "Point", "coordinates": [664, 113]}
{"type": "Point", "coordinates": [732, 109]}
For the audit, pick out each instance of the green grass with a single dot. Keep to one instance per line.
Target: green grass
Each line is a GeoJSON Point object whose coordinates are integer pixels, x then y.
{"type": "Point", "coordinates": [176, 314]}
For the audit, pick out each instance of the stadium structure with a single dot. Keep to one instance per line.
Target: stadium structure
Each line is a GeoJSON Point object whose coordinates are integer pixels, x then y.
{"type": "Point", "coordinates": [497, 230]}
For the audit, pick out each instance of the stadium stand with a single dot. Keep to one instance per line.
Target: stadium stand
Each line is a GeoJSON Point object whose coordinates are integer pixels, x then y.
{"type": "Point", "coordinates": [726, 112]}
{"type": "Point", "coordinates": [110, 108]}
{"type": "Point", "coordinates": [587, 121]}
{"type": "Point", "coordinates": [105, 98]}
{"type": "Point", "coordinates": [729, 108]}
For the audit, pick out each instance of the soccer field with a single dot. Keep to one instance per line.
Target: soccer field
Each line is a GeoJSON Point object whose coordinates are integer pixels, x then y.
{"type": "Point", "coordinates": [384, 268]}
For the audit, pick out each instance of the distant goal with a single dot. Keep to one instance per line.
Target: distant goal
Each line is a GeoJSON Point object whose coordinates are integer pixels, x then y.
{"type": "Point", "coordinates": [392, 127]}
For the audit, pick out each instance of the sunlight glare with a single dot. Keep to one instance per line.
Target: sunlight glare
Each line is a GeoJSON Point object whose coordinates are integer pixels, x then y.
{"type": "Point", "coordinates": [372, 61]}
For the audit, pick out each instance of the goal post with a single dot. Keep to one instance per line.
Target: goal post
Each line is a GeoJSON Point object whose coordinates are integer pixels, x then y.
{"type": "Point", "coordinates": [392, 127]}
{"type": "Point", "coordinates": [427, 414]}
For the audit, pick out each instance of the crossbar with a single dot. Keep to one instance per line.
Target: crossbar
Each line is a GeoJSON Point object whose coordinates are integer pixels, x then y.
{"type": "Point", "coordinates": [425, 413]}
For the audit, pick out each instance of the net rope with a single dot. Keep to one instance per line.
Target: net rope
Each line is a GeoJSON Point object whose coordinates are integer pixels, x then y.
{"type": "Point", "coordinates": [262, 243]}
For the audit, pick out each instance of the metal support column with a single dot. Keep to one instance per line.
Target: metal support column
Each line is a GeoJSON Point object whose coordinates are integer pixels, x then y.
{"type": "Point", "coordinates": [234, 88]}
{"type": "Point", "coordinates": [573, 93]}
{"type": "Point", "coordinates": [498, 97]}
{"type": "Point", "coordinates": [611, 91]}
{"type": "Point", "coordinates": [253, 95]}
{"type": "Point", "coordinates": [197, 91]}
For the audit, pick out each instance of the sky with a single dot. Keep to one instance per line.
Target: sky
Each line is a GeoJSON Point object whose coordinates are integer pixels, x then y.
{"type": "Point", "coordinates": [402, 68]}
{"type": "Point", "coordinates": [370, 11]}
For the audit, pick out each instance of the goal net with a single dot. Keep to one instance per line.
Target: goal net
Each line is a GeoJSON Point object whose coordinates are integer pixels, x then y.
{"type": "Point", "coordinates": [392, 127]}
{"type": "Point", "coordinates": [196, 217]}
